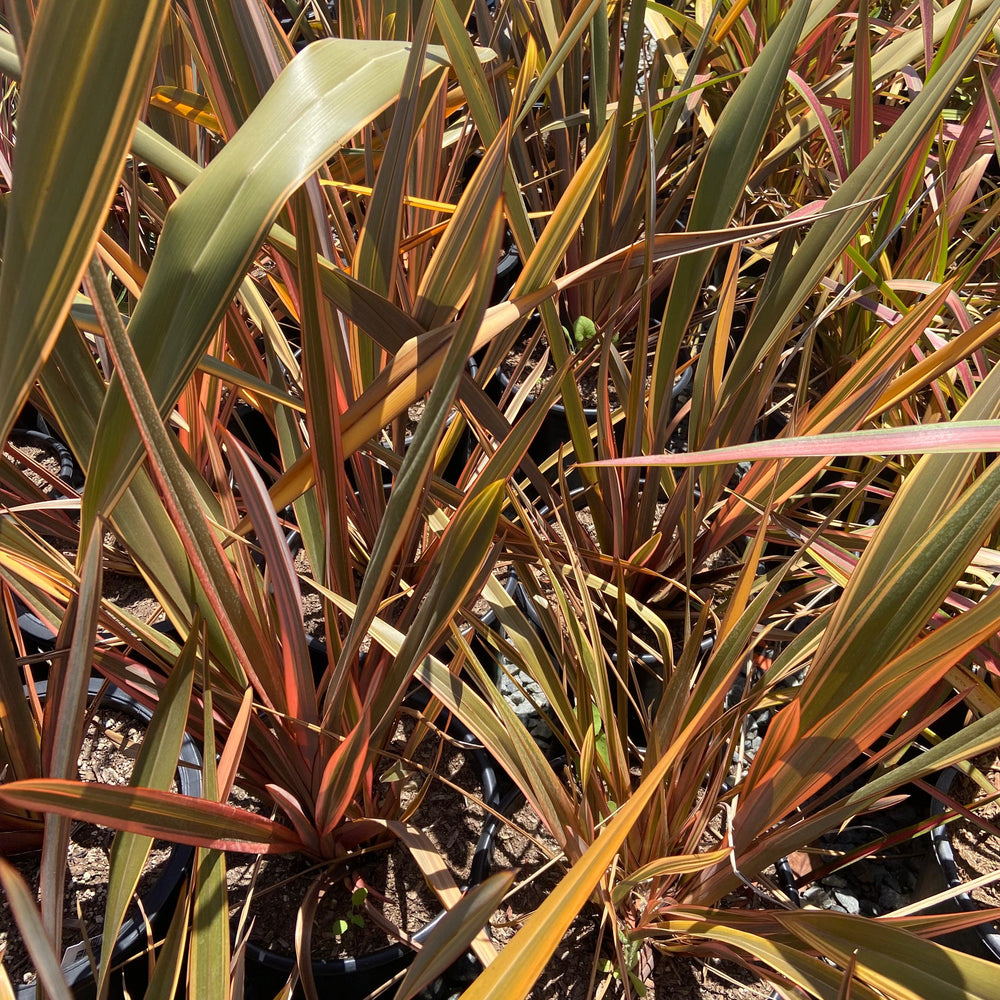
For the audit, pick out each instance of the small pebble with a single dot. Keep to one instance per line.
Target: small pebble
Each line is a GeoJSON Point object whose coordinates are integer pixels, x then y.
{"type": "Point", "coordinates": [848, 902]}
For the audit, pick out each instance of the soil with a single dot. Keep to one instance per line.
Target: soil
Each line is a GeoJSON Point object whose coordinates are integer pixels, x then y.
{"type": "Point", "coordinates": [107, 755]}
{"type": "Point", "coordinates": [312, 603]}
{"type": "Point", "coordinates": [976, 852]}
{"type": "Point", "coordinates": [132, 594]}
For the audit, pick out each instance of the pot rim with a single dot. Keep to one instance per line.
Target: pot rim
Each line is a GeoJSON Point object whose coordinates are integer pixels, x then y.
{"type": "Point", "coordinates": [988, 931]}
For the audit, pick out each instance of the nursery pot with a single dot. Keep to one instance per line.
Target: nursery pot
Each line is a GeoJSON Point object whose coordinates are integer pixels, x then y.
{"type": "Point", "coordinates": [157, 901]}
{"type": "Point", "coordinates": [35, 433]}
{"type": "Point", "coordinates": [359, 976]}
{"type": "Point", "coordinates": [47, 441]}
{"type": "Point", "coordinates": [38, 637]}
{"type": "Point", "coordinates": [984, 939]}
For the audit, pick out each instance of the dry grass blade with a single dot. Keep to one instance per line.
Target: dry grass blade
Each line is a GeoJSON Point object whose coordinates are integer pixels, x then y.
{"type": "Point", "coordinates": [155, 767]}
{"type": "Point", "coordinates": [451, 936]}
{"type": "Point", "coordinates": [897, 963]}
{"type": "Point", "coordinates": [29, 922]}
{"type": "Point", "coordinates": [62, 731]}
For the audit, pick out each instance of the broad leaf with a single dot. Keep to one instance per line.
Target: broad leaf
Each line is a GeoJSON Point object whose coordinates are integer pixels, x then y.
{"type": "Point", "coordinates": [73, 130]}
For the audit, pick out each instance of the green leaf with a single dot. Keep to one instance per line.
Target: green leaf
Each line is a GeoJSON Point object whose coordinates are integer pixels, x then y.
{"type": "Point", "coordinates": [19, 753]}
{"type": "Point", "coordinates": [208, 962]}
{"type": "Point", "coordinates": [65, 714]}
{"type": "Point", "coordinates": [786, 288]}
{"type": "Point", "coordinates": [377, 252]}
{"type": "Point", "coordinates": [22, 905]}
{"type": "Point", "coordinates": [732, 151]}
{"type": "Point", "coordinates": [209, 951]}
{"type": "Point", "coordinates": [185, 503]}
{"type": "Point", "coordinates": [169, 961]}
{"type": "Point", "coordinates": [73, 130]}
{"type": "Point", "coordinates": [466, 542]}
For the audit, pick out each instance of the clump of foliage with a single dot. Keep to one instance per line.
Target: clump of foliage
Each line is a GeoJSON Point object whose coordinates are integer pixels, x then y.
{"type": "Point", "coordinates": [762, 232]}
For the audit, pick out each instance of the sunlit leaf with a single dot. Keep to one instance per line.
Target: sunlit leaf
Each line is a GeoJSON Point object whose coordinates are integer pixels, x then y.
{"type": "Point", "coordinates": [73, 131]}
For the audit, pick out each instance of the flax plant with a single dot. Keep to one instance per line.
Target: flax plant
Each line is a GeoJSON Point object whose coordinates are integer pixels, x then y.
{"type": "Point", "coordinates": [783, 212]}
{"type": "Point", "coordinates": [647, 852]}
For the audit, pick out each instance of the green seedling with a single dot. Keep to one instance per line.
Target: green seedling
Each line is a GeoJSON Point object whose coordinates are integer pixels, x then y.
{"type": "Point", "coordinates": [583, 330]}
{"type": "Point", "coordinates": [356, 917]}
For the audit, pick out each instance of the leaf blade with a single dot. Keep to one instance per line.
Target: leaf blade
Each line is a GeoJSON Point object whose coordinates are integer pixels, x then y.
{"type": "Point", "coordinates": [72, 135]}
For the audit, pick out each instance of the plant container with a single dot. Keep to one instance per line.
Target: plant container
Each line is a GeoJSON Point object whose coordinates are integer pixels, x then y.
{"type": "Point", "coordinates": [158, 900]}
{"type": "Point", "coordinates": [354, 978]}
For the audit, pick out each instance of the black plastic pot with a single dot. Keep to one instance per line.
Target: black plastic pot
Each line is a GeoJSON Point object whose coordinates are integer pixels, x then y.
{"type": "Point", "coordinates": [250, 428]}
{"type": "Point", "coordinates": [508, 271]}
{"type": "Point", "coordinates": [347, 979]}
{"type": "Point", "coordinates": [38, 637]}
{"type": "Point", "coordinates": [158, 901]}
{"type": "Point", "coordinates": [31, 429]}
{"type": "Point", "coordinates": [986, 935]}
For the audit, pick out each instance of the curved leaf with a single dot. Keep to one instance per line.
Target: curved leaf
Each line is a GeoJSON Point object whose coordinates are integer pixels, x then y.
{"type": "Point", "coordinates": [182, 819]}
{"type": "Point", "coordinates": [73, 130]}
